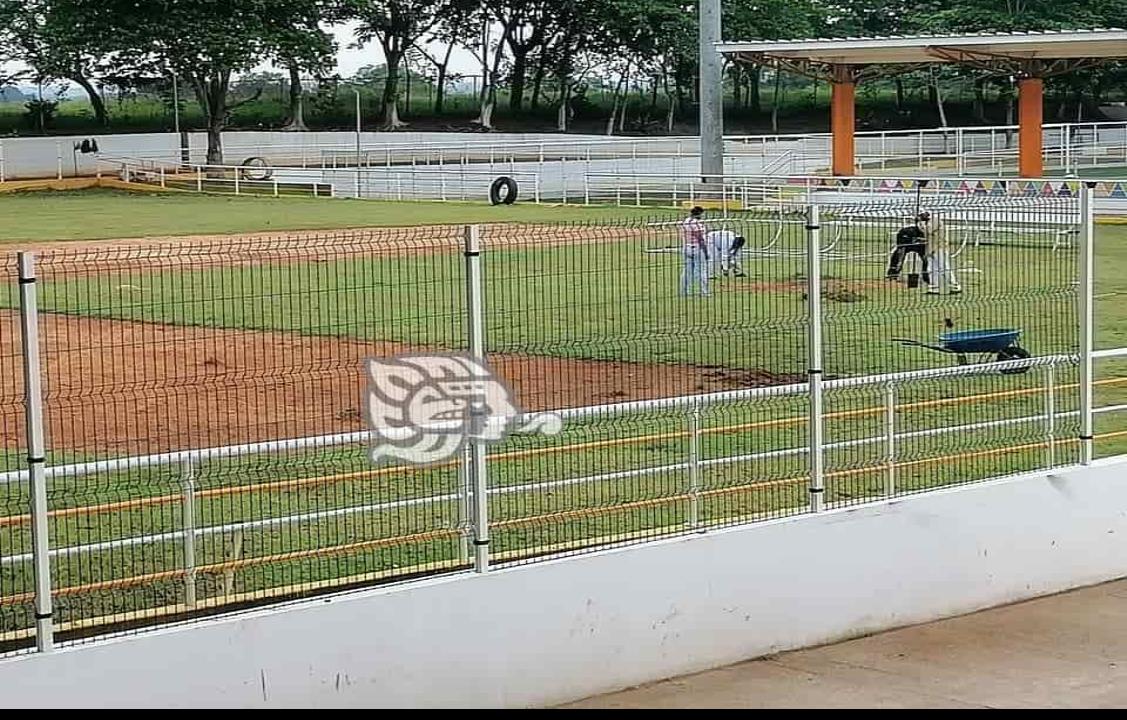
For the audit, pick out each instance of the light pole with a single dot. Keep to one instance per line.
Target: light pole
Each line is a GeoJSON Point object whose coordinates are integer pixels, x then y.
{"type": "Point", "coordinates": [357, 91]}
{"type": "Point", "coordinates": [175, 104]}
{"type": "Point", "coordinates": [711, 94]}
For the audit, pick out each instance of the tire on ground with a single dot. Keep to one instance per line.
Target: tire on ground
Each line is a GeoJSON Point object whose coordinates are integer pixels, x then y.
{"type": "Point", "coordinates": [508, 185]}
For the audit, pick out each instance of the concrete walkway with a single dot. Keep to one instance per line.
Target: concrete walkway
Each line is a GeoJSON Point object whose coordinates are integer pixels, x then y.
{"type": "Point", "coordinates": [1065, 651]}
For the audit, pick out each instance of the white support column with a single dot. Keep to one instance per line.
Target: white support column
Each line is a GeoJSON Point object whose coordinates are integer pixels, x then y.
{"type": "Point", "coordinates": [475, 312]}
{"type": "Point", "coordinates": [817, 487]}
{"type": "Point", "coordinates": [36, 452]}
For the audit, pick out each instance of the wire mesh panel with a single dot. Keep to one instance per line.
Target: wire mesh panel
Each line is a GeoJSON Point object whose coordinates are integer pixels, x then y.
{"type": "Point", "coordinates": [16, 584]}
{"type": "Point", "coordinates": [608, 315]}
{"type": "Point", "coordinates": [205, 422]}
{"type": "Point", "coordinates": [948, 281]}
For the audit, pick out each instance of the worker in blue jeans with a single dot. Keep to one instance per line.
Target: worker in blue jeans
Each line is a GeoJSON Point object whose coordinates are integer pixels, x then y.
{"type": "Point", "coordinates": [694, 248]}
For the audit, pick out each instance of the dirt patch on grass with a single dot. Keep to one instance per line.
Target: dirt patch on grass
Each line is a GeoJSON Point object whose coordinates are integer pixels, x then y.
{"type": "Point", "coordinates": [116, 387]}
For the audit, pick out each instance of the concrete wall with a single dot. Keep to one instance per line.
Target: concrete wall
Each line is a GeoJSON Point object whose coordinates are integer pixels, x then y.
{"type": "Point", "coordinates": [38, 157]}
{"type": "Point", "coordinates": [557, 631]}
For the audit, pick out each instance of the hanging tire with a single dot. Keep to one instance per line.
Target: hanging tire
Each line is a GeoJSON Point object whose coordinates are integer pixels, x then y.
{"type": "Point", "coordinates": [256, 168]}
{"type": "Point", "coordinates": [1014, 352]}
{"type": "Point", "coordinates": [503, 191]}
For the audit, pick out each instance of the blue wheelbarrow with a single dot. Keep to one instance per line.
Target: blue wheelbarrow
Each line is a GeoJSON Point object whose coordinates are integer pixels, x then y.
{"type": "Point", "coordinates": [999, 345]}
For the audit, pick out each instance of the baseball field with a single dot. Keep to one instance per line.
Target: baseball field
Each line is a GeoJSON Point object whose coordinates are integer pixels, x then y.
{"type": "Point", "coordinates": [175, 323]}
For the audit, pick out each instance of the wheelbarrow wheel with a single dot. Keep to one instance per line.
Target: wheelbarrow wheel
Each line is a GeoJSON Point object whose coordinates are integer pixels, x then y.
{"type": "Point", "coordinates": [1014, 352]}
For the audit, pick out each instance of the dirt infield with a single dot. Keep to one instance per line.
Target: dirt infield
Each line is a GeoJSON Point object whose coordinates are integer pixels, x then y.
{"type": "Point", "coordinates": [115, 387]}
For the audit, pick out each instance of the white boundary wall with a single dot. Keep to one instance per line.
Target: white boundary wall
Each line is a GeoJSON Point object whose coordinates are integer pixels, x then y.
{"type": "Point", "coordinates": [552, 632]}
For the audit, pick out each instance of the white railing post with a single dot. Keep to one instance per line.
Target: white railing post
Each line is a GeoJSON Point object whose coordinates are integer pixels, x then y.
{"type": "Point", "coordinates": [188, 507]}
{"type": "Point", "coordinates": [694, 466]}
{"type": "Point", "coordinates": [563, 176]}
{"type": "Point", "coordinates": [236, 181]}
{"type": "Point", "coordinates": [36, 452]}
{"type": "Point", "coordinates": [1050, 416]}
{"type": "Point", "coordinates": [199, 179]}
{"type": "Point", "coordinates": [475, 312]}
{"type": "Point", "coordinates": [3, 177]}
{"type": "Point", "coordinates": [59, 158]}
{"type": "Point", "coordinates": [1087, 301]}
{"type": "Point", "coordinates": [890, 439]}
{"type": "Point", "coordinates": [817, 487]}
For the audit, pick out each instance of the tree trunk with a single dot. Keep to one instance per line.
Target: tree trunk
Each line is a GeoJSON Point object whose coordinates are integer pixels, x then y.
{"type": "Point", "coordinates": [615, 105]}
{"type": "Point", "coordinates": [440, 83]}
{"type": "Point", "coordinates": [737, 82]}
{"type": "Point", "coordinates": [937, 93]}
{"type": "Point", "coordinates": [389, 102]}
{"type": "Point", "coordinates": [537, 85]}
{"type": "Point", "coordinates": [980, 100]}
{"type": "Point", "coordinates": [671, 111]}
{"type": "Point", "coordinates": [407, 81]}
{"type": "Point", "coordinates": [754, 101]}
{"type": "Point", "coordinates": [899, 81]}
{"type": "Point", "coordinates": [563, 112]}
{"type": "Point", "coordinates": [215, 141]}
{"type": "Point", "coordinates": [775, 101]}
{"type": "Point", "coordinates": [516, 82]}
{"type": "Point", "coordinates": [99, 105]}
{"type": "Point", "coordinates": [211, 94]}
{"type": "Point", "coordinates": [296, 121]}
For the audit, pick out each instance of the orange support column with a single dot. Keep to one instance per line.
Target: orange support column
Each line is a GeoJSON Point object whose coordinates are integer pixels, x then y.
{"type": "Point", "coordinates": [1030, 116]}
{"type": "Point", "coordinates": [843, 113]}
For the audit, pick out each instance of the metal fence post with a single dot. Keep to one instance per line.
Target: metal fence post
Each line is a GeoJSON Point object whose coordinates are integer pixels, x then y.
{"type": "Point", "coordinates": [1050, 416]}
{"type": "Point", "coordinates": [890, 439]}
{"type": "Point", "coordinates": [1087, 302]}
{"type": "Point", "coordinates": [188, 507]}
{"type": "Point", "coordinates": [465, 504]}
{"type": "Point", "coordinates": [36, 452]}
{"type": "Point", "coordinates": [694, 466]}
{"type": "Point", "coordinates": [59, 158]}
{"type": "Point", "coordinates": [814, 366]}
{"type": "Point", "coordinates": [475, 316]}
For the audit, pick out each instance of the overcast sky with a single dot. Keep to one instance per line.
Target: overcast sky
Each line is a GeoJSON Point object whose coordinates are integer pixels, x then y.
{"type": "Point", "coordinates": [350, 59]}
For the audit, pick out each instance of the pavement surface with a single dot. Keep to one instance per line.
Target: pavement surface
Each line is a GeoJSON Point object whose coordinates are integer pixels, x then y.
{"type": "Point", "coordinates": [1064, 651]}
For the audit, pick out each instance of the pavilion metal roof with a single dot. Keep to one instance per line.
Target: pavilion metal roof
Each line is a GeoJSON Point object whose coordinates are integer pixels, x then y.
{"type": "Point", "coordinates": [1046, 47]}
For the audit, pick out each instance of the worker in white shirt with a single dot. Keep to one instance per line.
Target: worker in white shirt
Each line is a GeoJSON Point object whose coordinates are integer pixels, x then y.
{"type": "Point", "coordinates": [726, 247]}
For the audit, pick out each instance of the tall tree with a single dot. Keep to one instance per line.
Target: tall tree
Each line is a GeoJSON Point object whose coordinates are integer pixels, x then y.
{"type": "Point", "coordinates": [54, 37]}
{"type": "Point", "coordinates": [398, 25]}
{"type": "Point", "coordinates": [207, 41]}
{"type": "Point", "coordinates": [454, 27]}
{"type": "Point", "coordinates": [526, 25]}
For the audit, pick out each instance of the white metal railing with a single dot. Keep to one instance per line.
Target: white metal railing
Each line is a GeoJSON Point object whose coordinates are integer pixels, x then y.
{"type": "Point", "coordinates": [189, 460]}
{"type": "Point", "coordinates": [434, 182]}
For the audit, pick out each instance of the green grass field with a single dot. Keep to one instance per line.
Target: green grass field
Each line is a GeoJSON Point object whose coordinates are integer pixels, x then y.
{"type": "Point", "coordinates": [605, 301]}
{"type": "Point", "coordinates": [110, 214]}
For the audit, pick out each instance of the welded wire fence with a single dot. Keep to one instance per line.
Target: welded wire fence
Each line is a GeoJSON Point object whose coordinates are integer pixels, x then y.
{"type": "Point", "coordinates": [210, 420]}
